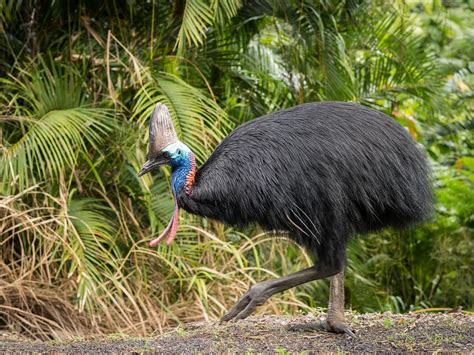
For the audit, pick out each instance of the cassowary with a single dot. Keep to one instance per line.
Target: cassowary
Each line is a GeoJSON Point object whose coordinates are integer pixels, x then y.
{"type": "Point", "coordinates": [320, 172]}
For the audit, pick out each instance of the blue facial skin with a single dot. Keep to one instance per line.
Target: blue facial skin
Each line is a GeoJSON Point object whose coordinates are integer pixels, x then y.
{"type": "Point", "coordinates": [180, 164]}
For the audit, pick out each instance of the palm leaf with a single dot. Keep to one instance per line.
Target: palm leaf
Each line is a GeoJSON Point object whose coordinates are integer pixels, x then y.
{"type": "Point", "coordinates": [225, 10]}
{"type": "Point", "coordinates": [50, 126]}
{"type": "Point", "coordinates": [392, 59]}
{"type": "Point", "coordinates": [197, 17]}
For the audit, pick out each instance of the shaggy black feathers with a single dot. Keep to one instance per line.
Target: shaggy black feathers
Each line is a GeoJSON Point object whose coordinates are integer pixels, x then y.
{"type": "Point", "coordinates": [321, 172]}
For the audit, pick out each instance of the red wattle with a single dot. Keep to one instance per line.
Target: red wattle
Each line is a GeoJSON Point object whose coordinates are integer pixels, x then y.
{"type": "Point", "coordinates": [174, 228]}
{"type": "Point", "coordinates": [170, 230]}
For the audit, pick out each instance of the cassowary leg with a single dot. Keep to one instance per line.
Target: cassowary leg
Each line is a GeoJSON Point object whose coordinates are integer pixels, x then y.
{"type": "Point", "coordinates": [335, 321]}
{"type": "Point", "coordinates": [259, 293]}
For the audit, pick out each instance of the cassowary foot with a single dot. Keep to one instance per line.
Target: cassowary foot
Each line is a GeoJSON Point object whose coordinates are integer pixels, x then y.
{"type": "Point", "coordinates": [328, 326]}
{"type": "Point", "coordinates": [254, 297]}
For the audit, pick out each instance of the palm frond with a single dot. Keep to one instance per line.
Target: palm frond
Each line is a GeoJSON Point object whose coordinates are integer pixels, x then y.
{"type": "Point", "coordinates": [49, 126]}
{"type": "Point", "coordinates": [391, 59]}
{"type": "Point", "coordinates": [225, 10]}
{"type": "Point", "coordinates": [197, 17]}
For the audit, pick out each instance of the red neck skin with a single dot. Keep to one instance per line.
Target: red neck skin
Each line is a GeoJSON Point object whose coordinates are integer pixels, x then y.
{"type": "Point", "coordinates": [191, 174]}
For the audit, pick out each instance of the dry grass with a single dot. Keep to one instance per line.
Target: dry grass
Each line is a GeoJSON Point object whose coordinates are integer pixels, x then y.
{"type": "Point", "coordinates": [39, 311]}
{"type": "Point", "coordinates": [58, 281]}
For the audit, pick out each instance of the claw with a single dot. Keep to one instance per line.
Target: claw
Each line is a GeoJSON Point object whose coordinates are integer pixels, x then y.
{"type": "Point", "coordinates": [246, 304]}
{"type": "Point", "coordinates": [237, 308]}
{"type": "Point", "coordinates": [333, 327]}
{"type": "Point", "coordinates": [349, 332]}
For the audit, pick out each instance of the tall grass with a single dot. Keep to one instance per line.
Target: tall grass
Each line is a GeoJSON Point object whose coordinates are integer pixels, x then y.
{"type": "Point", "coordinates": [64, 274]}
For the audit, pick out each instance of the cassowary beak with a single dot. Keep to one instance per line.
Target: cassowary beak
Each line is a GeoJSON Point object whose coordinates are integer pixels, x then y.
{"type": "Point", "coordinates": [153, 164]}
{"type": "Point", "coordinates": [147, 167]}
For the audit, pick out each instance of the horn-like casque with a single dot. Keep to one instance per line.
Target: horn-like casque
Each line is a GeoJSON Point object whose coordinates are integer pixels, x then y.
{"type": "Point", "coordinates": [162, 132]}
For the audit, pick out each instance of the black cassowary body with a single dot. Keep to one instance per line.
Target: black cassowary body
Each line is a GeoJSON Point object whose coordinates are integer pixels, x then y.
{"type": "Point", "coordinates": [321, 172]}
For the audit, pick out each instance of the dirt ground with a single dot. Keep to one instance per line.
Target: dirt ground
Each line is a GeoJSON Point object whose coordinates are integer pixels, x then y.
{"type": "Point", "coordinates": [452, 332]}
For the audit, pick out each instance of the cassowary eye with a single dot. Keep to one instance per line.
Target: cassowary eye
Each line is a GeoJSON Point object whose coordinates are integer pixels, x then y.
{"type": "Point", "coordinates": [166, 155]}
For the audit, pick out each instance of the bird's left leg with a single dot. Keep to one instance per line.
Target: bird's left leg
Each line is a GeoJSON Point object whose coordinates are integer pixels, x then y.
{"type": "Point", "coordinates": [260, 292]}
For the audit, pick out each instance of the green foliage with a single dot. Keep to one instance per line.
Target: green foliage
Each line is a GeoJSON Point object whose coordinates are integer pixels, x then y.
{"type": "Point", "coordinates": [51, 125]}
{"type": "Point", "coordinates": [77, 88]}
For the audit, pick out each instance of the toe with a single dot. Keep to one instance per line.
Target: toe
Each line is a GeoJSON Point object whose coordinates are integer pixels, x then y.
{"type": "Point", "coordinates": [333, 327]}
{"type": "Point", "coordinates": [236, 309]}
{"type": "Point", "coordinates": [306, 327]}
{"type": "Point", "coordinates": [248, 310]}
{"type": "Point", "coordinates": [340, 328]}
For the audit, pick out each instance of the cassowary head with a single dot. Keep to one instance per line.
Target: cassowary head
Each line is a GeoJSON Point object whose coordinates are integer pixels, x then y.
{"type": "Point", "coordinates": [165, 149]}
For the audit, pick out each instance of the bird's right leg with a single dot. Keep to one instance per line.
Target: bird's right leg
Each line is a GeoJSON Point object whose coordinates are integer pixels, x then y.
{"type": "Point", "coordinates": [259, 293]}
{"type": "Point", "coordinates": [335, 321]}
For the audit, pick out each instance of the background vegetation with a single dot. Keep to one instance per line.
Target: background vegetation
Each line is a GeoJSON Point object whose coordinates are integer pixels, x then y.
{"type": "Point", "coordinates": [78, 82]}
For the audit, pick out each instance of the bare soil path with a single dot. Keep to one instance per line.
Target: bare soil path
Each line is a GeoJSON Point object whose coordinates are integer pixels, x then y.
{"type": "Point", "coordinates": [386, 332]}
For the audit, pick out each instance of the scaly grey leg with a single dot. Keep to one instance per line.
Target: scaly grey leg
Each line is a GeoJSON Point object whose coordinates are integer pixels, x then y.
{"type": "Point", "coordinates": [259, 293]}
{"type": "Point", "coordinates": [335, 321]}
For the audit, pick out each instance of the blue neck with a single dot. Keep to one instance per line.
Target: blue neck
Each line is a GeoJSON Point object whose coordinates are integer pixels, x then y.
{"type": "Point", "coordinates": [179, 174]}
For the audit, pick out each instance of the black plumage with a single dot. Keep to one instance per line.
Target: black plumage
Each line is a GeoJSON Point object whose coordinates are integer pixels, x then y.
{"type": "Point", "coordinates": [320, 171]}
